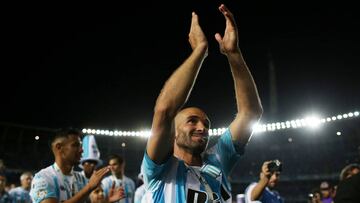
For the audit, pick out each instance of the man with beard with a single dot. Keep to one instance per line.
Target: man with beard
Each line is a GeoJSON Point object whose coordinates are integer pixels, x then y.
{"type": "Point", "coordinates": [58, 182]}
{"type": "Point", "coordinates": [176, 166]}
{"type": "Point", "coordinates": [263, 190]}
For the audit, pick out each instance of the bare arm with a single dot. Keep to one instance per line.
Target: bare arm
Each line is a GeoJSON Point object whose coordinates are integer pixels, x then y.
{"type": "Point", "coordinates": [83, 194]}
{"type": "Point", "coordinates": [174, 95]}
{"type": "Point", "coordinates": [247, 99]}
{"type": "Point", "coordinates": [264, 179]}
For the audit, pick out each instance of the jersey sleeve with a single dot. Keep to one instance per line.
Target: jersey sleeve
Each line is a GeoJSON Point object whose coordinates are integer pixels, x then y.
{"type": "Point", "coordinates": [43, 187]}
{"type": "Point", "coordinates": [248, 191]}
{"type": "Point", "coordinates": [228, 152]}
{"type": "Point", "coordinates": [153, 172]}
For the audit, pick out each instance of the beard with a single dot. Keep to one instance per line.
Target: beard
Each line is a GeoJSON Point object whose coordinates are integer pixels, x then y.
{"type": "Point", "coordinates": [184, 141]}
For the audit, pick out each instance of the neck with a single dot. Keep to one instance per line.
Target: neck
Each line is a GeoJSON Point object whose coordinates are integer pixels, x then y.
{"type": "Point", "coordinates": [118, 175]}
{"type": "Point", "coordinates": [26, 188]}
{"type": "Point", "coordinates": [87, 175]}
{"type": "Point", "coordinates": [189, 158]}
{"type": "Point", "coordinates": [65, 168]}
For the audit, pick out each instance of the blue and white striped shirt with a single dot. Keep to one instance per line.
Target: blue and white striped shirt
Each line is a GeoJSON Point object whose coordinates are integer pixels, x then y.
{"type": "Point", "coordinates": [51, 183]}
{"type": "Point", "coordinates": [173, 181]}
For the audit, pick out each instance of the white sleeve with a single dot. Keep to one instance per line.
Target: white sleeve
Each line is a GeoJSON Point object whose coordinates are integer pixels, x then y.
{"type": "Point", "coordinates": [248, 191]}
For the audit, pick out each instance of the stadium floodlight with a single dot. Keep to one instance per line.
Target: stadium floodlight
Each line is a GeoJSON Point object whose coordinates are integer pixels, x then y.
{"type": "Point", "coordinates": [37, 137]}
{"type": "Point", "coordinates": [312, 121]}
{"type": "Point", "coordinates": [338, 133]}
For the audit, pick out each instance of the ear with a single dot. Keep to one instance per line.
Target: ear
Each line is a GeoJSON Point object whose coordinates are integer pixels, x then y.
{"type": "Point", "coordinates": [58, 146]}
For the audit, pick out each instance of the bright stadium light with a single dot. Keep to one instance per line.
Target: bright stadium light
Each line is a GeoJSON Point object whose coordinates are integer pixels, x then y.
{"type": "Point", "coordinates": [311, 121]}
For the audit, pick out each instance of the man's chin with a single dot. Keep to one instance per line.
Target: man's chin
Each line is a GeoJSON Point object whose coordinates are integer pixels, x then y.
{"type": "Point", "coordinates": [271, 185]}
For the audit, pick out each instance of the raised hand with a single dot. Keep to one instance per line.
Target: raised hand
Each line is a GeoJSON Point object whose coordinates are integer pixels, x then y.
{"type": "Point", "coordinates": [197, 38]}
{"type": "Point", "coordinates": [116, 194]}
{"type": "Point", "coordinates": [229, 42]}
{"type": "Point", "coordinates": [97, 176]}
{"type": "Point", "coordinates": [265, 172]}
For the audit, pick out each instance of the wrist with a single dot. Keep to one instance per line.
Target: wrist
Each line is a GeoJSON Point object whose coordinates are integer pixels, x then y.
{"type": "Point", "coordinates": [89, 188]}
{"type": "Point", "coordinates": [264, 177]}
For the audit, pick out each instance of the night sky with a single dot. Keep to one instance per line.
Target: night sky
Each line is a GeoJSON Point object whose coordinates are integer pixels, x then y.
{"type": "Point", "coordinates": [103, 65]}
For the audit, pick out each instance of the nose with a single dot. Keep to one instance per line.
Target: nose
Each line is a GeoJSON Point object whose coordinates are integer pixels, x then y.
{"type": "Point", "coordinates": [200, 127]}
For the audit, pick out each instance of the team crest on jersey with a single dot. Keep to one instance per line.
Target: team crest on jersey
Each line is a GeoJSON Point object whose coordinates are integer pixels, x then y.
{"type": "Point", "coordinates": [40, 183]}
{"type": "Point", "coordinates": [41, 194]}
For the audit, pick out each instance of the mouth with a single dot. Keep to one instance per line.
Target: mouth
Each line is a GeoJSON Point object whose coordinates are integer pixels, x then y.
{"type": "Point", "coordinates": [200, 136]}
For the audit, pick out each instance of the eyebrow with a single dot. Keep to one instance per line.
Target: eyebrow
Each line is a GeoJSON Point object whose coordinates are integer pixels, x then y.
{"type": "Point", "coordinates": [198, 117]}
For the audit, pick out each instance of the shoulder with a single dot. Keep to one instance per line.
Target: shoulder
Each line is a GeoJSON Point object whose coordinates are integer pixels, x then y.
{"type": "Point", "coordinates": [250, 187]}
{"type": "Point", "coordinates": [107, 180]}
{"type": "Point", "coordinates": [127, 179]}
{"type": "Point", "coordinates": [45, 173]}
{"type": "Point", "coordinates": [16, 190]}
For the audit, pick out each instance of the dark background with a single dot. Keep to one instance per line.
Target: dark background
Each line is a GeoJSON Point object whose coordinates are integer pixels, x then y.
{"type": "Point", "coordinates": [102, 65]}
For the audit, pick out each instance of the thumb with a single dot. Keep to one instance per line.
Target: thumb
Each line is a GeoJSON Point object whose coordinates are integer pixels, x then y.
{"type": "Point", "coordinates": [218, 38]}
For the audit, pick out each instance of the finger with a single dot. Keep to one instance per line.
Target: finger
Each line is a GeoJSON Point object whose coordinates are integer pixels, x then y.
{"type": "Point", "coordinates": [223, 9]}
{"type": "Point", "coordinates": [103, 171]}
{"type": "Point", "coordinates": [194, 19]}
{"type": "Point", "coordinates": [218, 38]}
{"type": "Point", "coordinates": [230, 21]}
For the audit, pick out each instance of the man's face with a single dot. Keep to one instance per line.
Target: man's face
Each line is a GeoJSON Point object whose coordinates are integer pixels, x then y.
{"type": "Point", "coordinates": [89, 167]}
{"type": "Point", "coordinates": [274, 179]}
{"type": "Point", "coordinates": [71, 149]}
{"type": "Point", "coordinates": [192, 130]}
{"type": "Point", "coordinates": [26, 181]}
{"type": "Point", "coordinates": [115, 167]}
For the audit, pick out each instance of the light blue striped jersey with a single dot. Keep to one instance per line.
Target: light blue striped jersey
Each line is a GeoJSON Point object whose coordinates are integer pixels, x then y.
{"type": "Point", "coordinates": [20, 195]}
{"type": "Point", "coordinates": [51, 183]}
{"type": "Point", "coordinates": [139, 193]}
{"type": "Point", "coordinates": [174, 182]}
{"type": "Point", "coordinates": [126, 182]}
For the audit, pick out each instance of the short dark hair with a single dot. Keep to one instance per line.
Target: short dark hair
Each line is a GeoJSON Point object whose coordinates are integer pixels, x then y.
{"type": "Point", "coordinates": [119, 158]}
{"type": "Point", "coordinates": [65, 133]}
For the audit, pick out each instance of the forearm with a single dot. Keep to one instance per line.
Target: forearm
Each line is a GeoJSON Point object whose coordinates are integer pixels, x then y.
{"type": "Point", "coordinates": [177, 88]}
{"type": "Point", "coordinates": [258, 189]}
{"type": "Point", "coordinates": [172, 97]}
{"type": "Point", "coordinates": [247, 97]}
{"type": "Point", "coordinates": [249, 109]}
